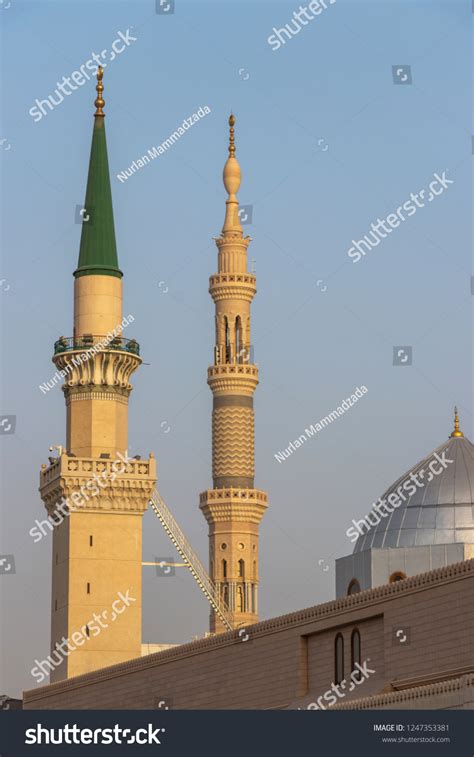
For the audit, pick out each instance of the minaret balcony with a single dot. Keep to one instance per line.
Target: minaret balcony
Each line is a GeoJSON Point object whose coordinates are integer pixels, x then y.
{"type": "Point", "coordinates": [233, 286]}
{"type": "Point", "coordinates": [232, 504]}
{"type": "Point", "coordinates": [106, 483]}
{"type": "Point", "coordinates": [96, 343]}
{"type": "Point", "coordinates": [241, 378]}
{"type": "Point", "coordinates": [97, 361]}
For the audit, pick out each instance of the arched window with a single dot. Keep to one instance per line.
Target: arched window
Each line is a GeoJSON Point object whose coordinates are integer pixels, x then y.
{"type": "Point", "coordinates": [397, 576]}
{"type": "Point", "coordinates": [241, 569]}
{"type": "Point", "coordinates": [225, 595]}
{"type": "Point", "coordinates": [240, 599]}
{"type": "Point", "coordinates": [238, 340]}
{"type": "Point", "coordinates": [353, 587]}
{"type": "Point", "coordinates": [255, 569]}
{"type": "Point", "coordinates": [355, 654]}
{"type": "Point", "coordinates": [227, 340]}
{"type": "Point", "coordinates": [224, 568]}
{"type": "Point", "coordinates": [339, 659]}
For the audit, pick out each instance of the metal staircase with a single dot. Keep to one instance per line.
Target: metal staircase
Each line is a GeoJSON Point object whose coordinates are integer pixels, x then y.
{"type": "Point", "coordinates": [191, 559]}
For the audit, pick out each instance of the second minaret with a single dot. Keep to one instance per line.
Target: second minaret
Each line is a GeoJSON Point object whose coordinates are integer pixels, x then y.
{"type": "Point", "coordinates": [233, 508]}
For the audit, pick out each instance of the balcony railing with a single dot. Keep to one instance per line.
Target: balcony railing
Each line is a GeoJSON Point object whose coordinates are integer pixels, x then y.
{"type": "Point", "coordinates": [99, 343]}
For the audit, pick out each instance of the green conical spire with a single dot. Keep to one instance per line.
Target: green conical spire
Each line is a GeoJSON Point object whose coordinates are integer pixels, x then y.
{"type": "Point", "coordinates": [98, 250]}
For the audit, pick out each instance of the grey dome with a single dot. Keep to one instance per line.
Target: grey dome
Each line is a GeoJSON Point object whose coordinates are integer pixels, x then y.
{"type": "Point", "coordinates": [439, 512]}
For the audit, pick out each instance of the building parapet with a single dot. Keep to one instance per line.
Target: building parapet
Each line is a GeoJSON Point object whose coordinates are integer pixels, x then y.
{"type": "Point", "coordinates": [407, 696]}
{"type": "Point", "coordinates": [361, 600]}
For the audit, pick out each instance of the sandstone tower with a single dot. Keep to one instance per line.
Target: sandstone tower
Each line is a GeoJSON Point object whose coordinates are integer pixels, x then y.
{"type": "Point", "coordinates": [233, 508]}
{"type": "Point", "coordinates": [97, 544]}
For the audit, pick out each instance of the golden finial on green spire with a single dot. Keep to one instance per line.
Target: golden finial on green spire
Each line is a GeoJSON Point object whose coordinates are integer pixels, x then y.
{"type": "Point", "coordinates": [99, 101]}
{"type": "Point", "coordinates": [231, 140]}
{"type": "Point", "coordinates": [456, 432]}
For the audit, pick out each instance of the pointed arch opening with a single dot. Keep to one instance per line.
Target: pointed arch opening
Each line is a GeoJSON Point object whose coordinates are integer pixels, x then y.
{"type": "Point", "coordinates": [239, 350]}
{"type": "Point", "coordinates": [228, 351]}
{"type": "Point", "coordinates": [339, 658]}
{"type": "Point", "coordinates": [354, 587]}
{"type": "Point", "coordinates": [355, 654]}
{"type": "Point", "coordinates": [240, 599]}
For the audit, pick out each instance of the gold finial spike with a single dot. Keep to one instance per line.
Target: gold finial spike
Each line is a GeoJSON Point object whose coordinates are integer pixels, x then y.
{"type": "Point", "coordinates": [99, 101]}
{"type": "Point", "coordinates": [232, 177]}
{"type": "Point", "coordinates": [231, 140]}
{"type": "Point", "coordinates": [456, 432]}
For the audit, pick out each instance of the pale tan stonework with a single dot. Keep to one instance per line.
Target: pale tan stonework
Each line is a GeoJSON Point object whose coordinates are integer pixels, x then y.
{"type": "Point", "coordinates": [233, 508]}
{"type": "Point", "coordinates": [288, 662]}
{"type": "Point", "coordinates": [97, 549]}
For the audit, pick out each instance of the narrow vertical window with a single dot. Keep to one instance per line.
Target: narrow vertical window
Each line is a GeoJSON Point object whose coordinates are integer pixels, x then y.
{"type": "Point", "coordinates": [241, 569]}
{"type": "Point", "coordinates": [88, 633]}
{"type": "Point", "coordinates": [339, 659]}
{"type": "Point", "coordinates": [355, 654]}
{"type": "Point", "coordinates": [224, 568]}
{"type": "Point", "coordinates": [240, 599]}
{"type": "Point", "coordinates": [227, 340]}
{"type": "Point", "coordinates": [88, 588]}
{"type": "Point", "coordinates": [91, 541]}
{"type": "Point", "coordinates": [238, 340]}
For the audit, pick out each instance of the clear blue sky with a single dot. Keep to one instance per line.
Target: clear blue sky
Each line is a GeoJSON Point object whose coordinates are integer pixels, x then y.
{"type": "Point", "coordinates": [330, 87]}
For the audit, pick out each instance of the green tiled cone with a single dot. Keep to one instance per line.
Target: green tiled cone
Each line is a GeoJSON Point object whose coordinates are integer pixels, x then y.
{"type": "Point", "coordinates": [98, 250]}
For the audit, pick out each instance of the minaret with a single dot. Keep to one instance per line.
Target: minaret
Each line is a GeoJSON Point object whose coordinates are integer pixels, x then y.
{"type": "Point", "coordinates": [233, 508]}
{"type": "Point", "coordinates": [97, 544]}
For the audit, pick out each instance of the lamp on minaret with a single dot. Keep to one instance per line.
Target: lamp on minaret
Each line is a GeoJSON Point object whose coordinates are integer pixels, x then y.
{"type": "Point", "coordinates": [93, 492]}
{"type": "Point", "coordinates": [233, 508]}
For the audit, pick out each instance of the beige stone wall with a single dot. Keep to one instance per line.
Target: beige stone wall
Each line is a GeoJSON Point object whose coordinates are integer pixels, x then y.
{"type": "Point", "coordinates": [97, 554]}
{"type": "Point", "coordinates": [88, 579]}
{"type": "Point", "coordinates": [97, 423]}
{"type": "Point", "coordinates": [288, 661]}
{"type": "Point", "coordinates": [320, 654]}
